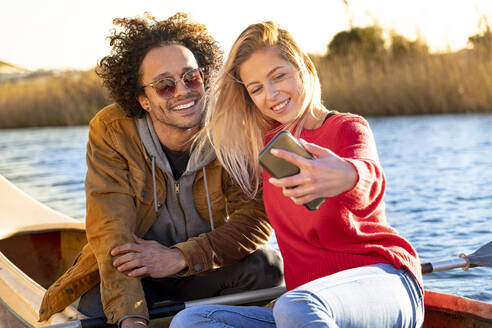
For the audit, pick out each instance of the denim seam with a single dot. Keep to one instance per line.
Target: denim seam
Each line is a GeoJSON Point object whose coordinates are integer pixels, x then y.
{"type": "Point", "coordinates": [215, 322]}
{"type": "Point", "coordinates": [323, 303]}
{"type": "Point", "coordinates": [411, 281]}
{"type": "Point", "coordinates": [414, 291]}
{"type": "Point", "coordinates": [239, 313]}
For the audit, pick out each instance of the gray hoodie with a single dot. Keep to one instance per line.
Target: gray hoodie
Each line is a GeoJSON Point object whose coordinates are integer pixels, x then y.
{"type": "Point", "coordinates": [179, 219]}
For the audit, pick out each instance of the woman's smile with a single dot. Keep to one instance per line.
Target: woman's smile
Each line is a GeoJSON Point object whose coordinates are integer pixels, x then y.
{"type": "Point", "coordinates": [279, 107]}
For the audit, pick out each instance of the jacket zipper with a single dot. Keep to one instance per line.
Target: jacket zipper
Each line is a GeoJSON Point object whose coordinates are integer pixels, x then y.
{"type": "Point", "coordinates": [176, 189]}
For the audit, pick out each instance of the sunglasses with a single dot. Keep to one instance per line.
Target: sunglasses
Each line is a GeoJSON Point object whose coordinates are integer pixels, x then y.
{"type": "Point", "coordinates": [166, 87]}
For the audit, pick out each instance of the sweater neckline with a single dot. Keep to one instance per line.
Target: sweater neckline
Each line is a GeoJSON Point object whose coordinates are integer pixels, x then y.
{"type": "Point", "coordinates": [313, 132]}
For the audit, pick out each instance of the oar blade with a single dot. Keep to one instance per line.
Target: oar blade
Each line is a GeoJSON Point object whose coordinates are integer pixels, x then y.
{"type": "Point", "coordinates": [484, 250]}
{"type": "Point", "coordinates": [482, 256]}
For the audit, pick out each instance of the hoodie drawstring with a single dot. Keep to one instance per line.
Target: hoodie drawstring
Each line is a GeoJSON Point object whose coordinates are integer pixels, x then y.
{"type": "Point", "coordinates": [210, 215]}
{"type": "Point", "coordinates": [156, 206]}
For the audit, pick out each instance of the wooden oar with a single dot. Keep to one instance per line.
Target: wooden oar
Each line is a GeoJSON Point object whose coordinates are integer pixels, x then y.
{"type": "Point", "coordinates": [259, 295]}
{"type": "Point", "coordinates": [481, 257]}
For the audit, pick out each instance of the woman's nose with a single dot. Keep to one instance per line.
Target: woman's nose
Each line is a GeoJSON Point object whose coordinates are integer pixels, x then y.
{"type": "Point", "coordinates": [272, 92]}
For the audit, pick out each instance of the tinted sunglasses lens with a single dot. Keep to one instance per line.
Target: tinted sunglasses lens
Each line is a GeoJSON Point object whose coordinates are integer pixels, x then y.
{"type": "Point", "coordinates": [193, 79]}
{"type": "Point", "coordinates": [165, 88]}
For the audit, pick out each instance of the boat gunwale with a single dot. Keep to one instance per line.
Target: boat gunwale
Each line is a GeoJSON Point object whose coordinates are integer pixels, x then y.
{"type": "Point", "coordinates": [454, 304]}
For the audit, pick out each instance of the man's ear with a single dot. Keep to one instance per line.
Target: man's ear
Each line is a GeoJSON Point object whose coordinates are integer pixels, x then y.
{"type": "Point", "coordinates": [144, 102]}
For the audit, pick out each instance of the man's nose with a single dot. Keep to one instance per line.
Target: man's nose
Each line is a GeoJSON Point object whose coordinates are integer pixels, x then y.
{"type": "Point", "coordinates": [181, 88]}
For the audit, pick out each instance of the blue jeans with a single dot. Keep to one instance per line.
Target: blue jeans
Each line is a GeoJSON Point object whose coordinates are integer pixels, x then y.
{"type": "Point", "coordinates": [371, 296]}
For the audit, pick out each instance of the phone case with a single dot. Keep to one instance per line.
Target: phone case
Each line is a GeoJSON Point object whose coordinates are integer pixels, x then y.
{"type": "Point", "coordinates": [280, 168]}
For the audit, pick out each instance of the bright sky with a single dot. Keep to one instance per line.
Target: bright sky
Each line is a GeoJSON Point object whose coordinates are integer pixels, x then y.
{"type": "Point", "coordinates": [72, 34]}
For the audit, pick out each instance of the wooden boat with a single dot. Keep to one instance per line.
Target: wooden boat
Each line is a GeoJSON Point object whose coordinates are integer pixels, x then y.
{"type": "Point", "coordinates": [37, 244]}
{"type": "Point", "coordinates": [450, 311]}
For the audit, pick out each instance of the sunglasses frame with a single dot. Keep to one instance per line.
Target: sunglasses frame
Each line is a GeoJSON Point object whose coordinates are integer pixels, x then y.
{"type": "Point", "coordinates": [182, 78]}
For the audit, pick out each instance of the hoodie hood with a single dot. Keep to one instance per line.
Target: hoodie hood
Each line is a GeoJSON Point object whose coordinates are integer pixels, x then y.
{"type": "Point", "coordinates": [177, 218]}
{"type": "Point", "coordinates": [153, 146]}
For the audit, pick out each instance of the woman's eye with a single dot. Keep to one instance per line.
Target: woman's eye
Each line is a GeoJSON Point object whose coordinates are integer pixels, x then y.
{"type": "Point", "coordinates": [255, 90]}
{"type": "Point", "coordinates": [280, 76]}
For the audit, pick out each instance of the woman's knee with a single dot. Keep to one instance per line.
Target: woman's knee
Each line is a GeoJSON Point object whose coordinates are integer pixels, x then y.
{"type": "Point", "coordinates": [224, 316]}
{"type": "Point", "coordinates": [299, 307]}
{"type": "Point", "coordinates": [186, 317]}
{"type": "Point", "coordinates": [295, 298]}
{"type": "Point", "coordinates": [291, 303]}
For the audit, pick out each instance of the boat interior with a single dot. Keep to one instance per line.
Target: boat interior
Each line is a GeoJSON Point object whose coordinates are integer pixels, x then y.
{"type": "Point", "coordinates": [43, 255]}
{"type": "Point", "coordinates": [37, 244]}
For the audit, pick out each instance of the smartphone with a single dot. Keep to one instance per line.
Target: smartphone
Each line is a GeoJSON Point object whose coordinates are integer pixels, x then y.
{"type": "Point", "coordinates": [280, 168]}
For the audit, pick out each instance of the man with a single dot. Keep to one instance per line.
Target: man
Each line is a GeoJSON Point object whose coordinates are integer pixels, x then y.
{"type": "Point", "coordinates": [164, 221]}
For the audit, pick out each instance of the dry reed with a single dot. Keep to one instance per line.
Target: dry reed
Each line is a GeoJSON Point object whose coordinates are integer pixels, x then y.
{"type": "Point", "coordinates": [439, 83]}
{"type": "Point", "coordinates": [432, 83]}
{"type": "Point", "coordinates": [68, 98]}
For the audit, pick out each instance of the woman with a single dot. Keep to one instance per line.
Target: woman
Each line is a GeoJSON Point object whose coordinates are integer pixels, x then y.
{"type": "Point", "coordinates": [344, 265]}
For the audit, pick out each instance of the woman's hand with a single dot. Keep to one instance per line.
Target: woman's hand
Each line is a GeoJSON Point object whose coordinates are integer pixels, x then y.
{"type": "Point", "coordinates": [326, 176]}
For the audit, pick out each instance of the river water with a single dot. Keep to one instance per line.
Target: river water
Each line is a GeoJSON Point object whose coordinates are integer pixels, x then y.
{"type": "Point", "coordinates": [439, 193]}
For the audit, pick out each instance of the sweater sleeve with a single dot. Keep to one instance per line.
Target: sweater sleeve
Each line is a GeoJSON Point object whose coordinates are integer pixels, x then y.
{"type": "Point", "coordinates": [110, 221]}
{"type": "Point", "coordinates": [356, 144]}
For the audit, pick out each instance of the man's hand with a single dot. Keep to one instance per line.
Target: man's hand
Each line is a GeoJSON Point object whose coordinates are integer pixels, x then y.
{"type": "Point", "coordinates": [148, 258]}
{"type": "Point", "coordinates": [133, 323]}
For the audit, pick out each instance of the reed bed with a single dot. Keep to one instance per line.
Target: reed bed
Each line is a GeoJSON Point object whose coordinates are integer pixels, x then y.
{"type": "Point", "coordinates": [371, 86]}
{"type": "Point", "coordinates": [67, 98]}
{"type": "Point", "coordinates": [430, 84]}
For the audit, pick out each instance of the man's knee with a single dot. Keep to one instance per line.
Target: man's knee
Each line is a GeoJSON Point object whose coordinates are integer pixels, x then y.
{"type": "Point", "coordinates": [90, 303]}
{"type": "Point", "coordinates": [266, 266]}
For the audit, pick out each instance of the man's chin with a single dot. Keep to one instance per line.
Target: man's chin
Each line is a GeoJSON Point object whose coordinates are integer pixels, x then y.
{"type": "Point", "coordinates": [185, 124]}
{"type": "Point", "coordinates": [180, 119]}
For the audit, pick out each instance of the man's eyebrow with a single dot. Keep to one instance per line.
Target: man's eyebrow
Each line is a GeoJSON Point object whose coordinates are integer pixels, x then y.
{"type": "Point", "coordinates": [167, 74]}
{"type": "Point", "coordinates": [269, 73]}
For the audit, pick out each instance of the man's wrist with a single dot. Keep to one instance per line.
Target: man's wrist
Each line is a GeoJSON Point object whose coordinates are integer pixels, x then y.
{"type": "Point", "coordinates": [133, 320]}
{"type": "Point", "coordinates": [181, 261]}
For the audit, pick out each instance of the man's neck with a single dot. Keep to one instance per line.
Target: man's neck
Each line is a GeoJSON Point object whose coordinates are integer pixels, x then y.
{"type": "Point", "coordinates": [173, 138]}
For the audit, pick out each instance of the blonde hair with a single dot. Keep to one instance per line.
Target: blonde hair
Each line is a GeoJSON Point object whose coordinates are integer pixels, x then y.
{"type": "Point", "coordinates": [232, 123]}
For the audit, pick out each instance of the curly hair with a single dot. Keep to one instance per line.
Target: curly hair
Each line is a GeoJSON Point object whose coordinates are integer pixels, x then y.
{"type": "Point", "coordinates": [120, 70]}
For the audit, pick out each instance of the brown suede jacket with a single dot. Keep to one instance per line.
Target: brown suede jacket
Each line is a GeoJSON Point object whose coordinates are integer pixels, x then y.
{"type": "Point", "coordinates": [119, 197]}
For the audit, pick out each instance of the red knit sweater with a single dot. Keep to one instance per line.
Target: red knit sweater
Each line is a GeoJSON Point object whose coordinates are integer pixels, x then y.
{"type": "Point", "coordinates": [349, 230]}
